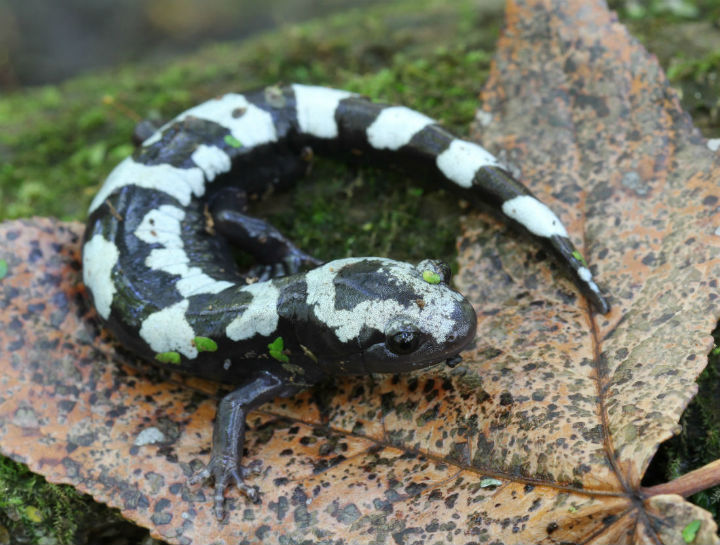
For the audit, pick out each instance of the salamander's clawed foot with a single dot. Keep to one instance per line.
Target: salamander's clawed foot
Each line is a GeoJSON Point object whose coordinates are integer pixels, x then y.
{"type": "Point", "coordinates": [224, 471]}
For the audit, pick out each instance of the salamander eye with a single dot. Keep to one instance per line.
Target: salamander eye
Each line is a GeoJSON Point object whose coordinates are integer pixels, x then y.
{"type": "Point", "coordinates": [401, 337]}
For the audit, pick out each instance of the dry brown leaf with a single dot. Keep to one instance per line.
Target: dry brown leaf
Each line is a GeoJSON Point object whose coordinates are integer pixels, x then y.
{"type": "Point", "coordinates": [542, 436]}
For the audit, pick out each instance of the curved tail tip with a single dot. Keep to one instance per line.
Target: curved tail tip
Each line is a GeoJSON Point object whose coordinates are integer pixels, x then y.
{"type": "Point", "coordinates": [581, 273]}
{"type": "Point", "coordinates": [598, 301]}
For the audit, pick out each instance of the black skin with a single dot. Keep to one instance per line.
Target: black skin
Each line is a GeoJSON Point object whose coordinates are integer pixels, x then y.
{"type": "Point", "coordinates": [277, 256]}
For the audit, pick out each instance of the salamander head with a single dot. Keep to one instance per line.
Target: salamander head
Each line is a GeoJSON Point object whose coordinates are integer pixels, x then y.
{"type": "Point", "coordinates": [385, 316]}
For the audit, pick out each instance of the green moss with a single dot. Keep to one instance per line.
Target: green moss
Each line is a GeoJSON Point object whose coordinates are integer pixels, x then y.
{"type": "Point", "coordinates": [35, 511]}
{"type": "Point", "coordinates": [684, 37]}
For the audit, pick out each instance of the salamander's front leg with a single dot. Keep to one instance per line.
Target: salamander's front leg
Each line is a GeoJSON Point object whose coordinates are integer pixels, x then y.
{"type": "Point", "coordinates": [229, 435]}
{"type": "Point", "coordinates": [277, 255]}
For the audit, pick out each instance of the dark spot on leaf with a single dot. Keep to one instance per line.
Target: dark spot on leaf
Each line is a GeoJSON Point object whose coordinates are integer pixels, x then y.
{"type": "Point", "coordinates": [609, 519]}
{"type": "Point", "coordinates": [450, 500]}
{"type": "Point", "coordinates": [280, 508]}
{"type": "Point", "coordinates": [538, 395]}
{"type": "Point", "coordinates": [262, 531]}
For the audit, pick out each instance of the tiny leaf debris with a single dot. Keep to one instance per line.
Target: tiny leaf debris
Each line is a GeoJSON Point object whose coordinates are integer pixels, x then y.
{"type": "Point", "coordinates": [168, 357]}
{"type": "Point", "coordinates": [561, 407]}
{"type": "Point", "coordinates": [690, 531]}
{"type": "Point", "coordinates": [275, 349]}
{"type": "Point", "coordinates": [205, 344]}
{"type": "Point", "coordinates": [431, 277]}
{"type": "Point", "coordinates": [233, 142]}
{"type": "Point", "coordinates": [577, 255]}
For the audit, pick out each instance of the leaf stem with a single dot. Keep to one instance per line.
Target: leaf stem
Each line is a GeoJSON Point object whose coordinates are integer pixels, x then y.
{"type": "Point", "coordinates": [690, 483]}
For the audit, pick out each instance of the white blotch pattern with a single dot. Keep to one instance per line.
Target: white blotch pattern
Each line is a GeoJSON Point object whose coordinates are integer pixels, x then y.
{"type": "Point", "coordinates": [461, 160]}
{"type": "Point", "coordinates": [99, 257]}
{"type": "Point", "coordinates": [213, 161]}
{"type": "Point", "coordinates": [169, 331]}
{"type": "Point", "coordinates": [316, 109]}
{"type": "Point", "coordinates": [534, 215]}
{"type": "Point", "coordinates": [395, 127]}
{"type": "Point", "coordinates": [180, 183]}
{"type": "Point", "coordinates": [584, 273]}
{"type": "Point", "coordinates": [260, 316]}
{"type": "Point", "coordinates": [162, 226]}
{"type": "Point", "coordinates": [254, 127]}
{"type": "Point", "coordinates": [435, 317]}
{"type": "Point", "coordinates": [586, 276]}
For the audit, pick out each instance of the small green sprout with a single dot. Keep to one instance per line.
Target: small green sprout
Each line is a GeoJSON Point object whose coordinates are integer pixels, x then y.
{"type": "Point", "coordinates": [231, 141]}
{"type": "Point", "coordinates": [577, 255]}
{"type": "Point", "coordinates": [431, 277]}
{"type": "Point", "coordinates": [276, 348]}
{"type": "Point", "coordinates": [3, 268]}
{"type": "Point", "coordinates": [205, 344]}
{"type": "Point", "coordinates": [488, 482]}
{"type": "Point", "coordinates": [690, 531]}
{"type": "Point", "coordinates": [168, 357]}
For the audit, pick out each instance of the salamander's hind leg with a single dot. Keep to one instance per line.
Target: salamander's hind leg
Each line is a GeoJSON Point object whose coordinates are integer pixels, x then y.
{"type": "Point", "coordinates": [276, 254]}
{"type": "Point", "coordinates": [229, 436]}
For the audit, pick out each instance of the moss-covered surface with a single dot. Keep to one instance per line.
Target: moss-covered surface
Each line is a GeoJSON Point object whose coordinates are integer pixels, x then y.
{"type": "Point", "coordinates": [57, 144]}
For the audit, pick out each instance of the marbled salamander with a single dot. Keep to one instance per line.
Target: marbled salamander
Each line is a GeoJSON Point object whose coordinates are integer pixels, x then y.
{"type": "Point", "coordinates": [158, 266]}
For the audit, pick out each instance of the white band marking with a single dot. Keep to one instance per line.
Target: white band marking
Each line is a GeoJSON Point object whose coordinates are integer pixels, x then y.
{"type": "Point", "coordinates": [534, 215]}
{"type": "Point", "coordinates": [99, 258]}
{"type": "Point", "coordinates": [461, 160]}
{"type": "Point", "coordinates": [260, 316]}
{"type": "Point", "coordinates": [395, 126]}
{"type": "Point", "coordinates": [168, 330]}
{"type": "Point", "coordinates": [316, 109]}
{"type": "Point", "coordinates": [162, 226]}
{"type": "Point", "coordinates": [179, 183]}
{"type": "Point", "coordinates": [213, 161]}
